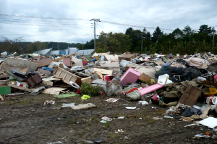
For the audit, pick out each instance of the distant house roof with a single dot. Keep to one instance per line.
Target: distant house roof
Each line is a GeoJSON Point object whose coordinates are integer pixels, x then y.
{"type": "Point", "coordinates": [43, 52]}
{"type": "Point", "coordinates": [70, 50]}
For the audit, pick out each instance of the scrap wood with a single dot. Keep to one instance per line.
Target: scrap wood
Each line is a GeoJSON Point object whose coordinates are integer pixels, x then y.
{"type": "Point", "coordinates": [21, 88]}
{"type": "Point", "coordinates": [1, 98]}
{"type": "Point", "coordinates": [205, 112]}
{"type": "Point", "coordinates": [103, 71]}
{"type": "Point", "coordinates": [53, 90]}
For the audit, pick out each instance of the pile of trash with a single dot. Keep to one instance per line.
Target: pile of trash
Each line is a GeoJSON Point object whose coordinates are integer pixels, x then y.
{"type": "Point", "coordinates": [185, 83]}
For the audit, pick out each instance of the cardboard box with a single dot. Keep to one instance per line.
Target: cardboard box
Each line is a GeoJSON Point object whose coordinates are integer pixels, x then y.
{"type": "Point", "coordinates": [43, 62]}
{"type": "Point", "coordinates": [145, 78]}
{"type": "Point", "coordinates": [190, 96]}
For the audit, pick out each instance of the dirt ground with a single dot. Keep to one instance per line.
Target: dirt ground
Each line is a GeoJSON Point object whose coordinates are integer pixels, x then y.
{"type": "Point", "coordinates": [25, 119]}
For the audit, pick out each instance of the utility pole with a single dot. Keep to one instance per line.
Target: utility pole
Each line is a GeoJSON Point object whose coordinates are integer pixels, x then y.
{"type": "Point", "coordinates": [95, 20]}
{"type": "Point", "coordinates": [141, 42]}
{"type": "Point", "coordinates": [213, 39]}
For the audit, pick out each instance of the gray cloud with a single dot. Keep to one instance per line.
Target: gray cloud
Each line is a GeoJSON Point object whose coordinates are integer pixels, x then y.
{"type": "Point", "coordinates": [167, 14]}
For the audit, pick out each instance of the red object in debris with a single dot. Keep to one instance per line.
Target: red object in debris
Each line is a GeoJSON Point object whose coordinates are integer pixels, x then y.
{"type": "Point", "coordinates": [207, 133]}
{"type": "Point", "coordinates": [215, 77]}
{"type": "Point", "coordinates": [155, 98]}
{"type": "Point", "coordinates": [21, 85]}
{"type": "Point", "coordinates": [103, 93]}
{"type": "Point", "coordinates": [131, 90]}
{"type": "Point", "coordinates": [84, 63]}
{"type": "Point", "coordinates": [78, 91]}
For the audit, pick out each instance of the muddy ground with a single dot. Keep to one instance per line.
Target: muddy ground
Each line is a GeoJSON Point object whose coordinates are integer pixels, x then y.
{"type": "Point", "coordinates": [25, 119]}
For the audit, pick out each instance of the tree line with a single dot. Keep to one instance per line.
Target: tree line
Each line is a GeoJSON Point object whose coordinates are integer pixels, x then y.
{"type": "Point", "coordinates": [16, 45]}
{"type": "Point", "coordinates": [186, 41]}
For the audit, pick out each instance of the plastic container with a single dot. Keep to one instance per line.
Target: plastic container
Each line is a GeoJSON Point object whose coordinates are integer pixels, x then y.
{"type": "Point", "coordinates": [211, 100]}
{"type": "Point", "coordinates": [130, 76]}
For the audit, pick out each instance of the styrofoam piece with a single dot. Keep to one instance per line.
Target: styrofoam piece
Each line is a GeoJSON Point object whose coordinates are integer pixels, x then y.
{"type": "Point", "coordinates": [130, 76]}
{"type": "Point", "coordinates": [150, 88]}
{"type": "Point", "coordinates": [143, 102]}
{"type": "Point", "coordinates": [211, 122]}
{"type": "Point", "coordinates": [131, 108]}
{"type": "Point", "coordinates": [56, 63]}
{"type": "Point", "coordinates": [164, 79]}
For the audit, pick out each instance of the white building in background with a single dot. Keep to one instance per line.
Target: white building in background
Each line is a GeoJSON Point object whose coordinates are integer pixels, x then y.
{"type": "Point", "coordinates": [85, 52]}
{"type": "Point", "coordinates": [70, 50]}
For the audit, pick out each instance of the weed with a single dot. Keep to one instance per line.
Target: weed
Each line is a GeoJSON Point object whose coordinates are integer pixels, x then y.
{"type": "Point", "coordinates": [136, 116]}
{"type": "Point", "coordinates": [89, 124]}
{"type": "Point", "coordinates": [107, 125]}
{"type": "Point", "coordinates": [97, 120]}
{"type": "Point", "coordinates": [90, 90]}
{"type": "Point", "coordinates": [79, 133]}
{"type": "Point", "coordinates": [71, 121]}
{"type": "Point", "coordinates": [113, 136]}
{"type": "Point", "coordinates": [93, 118]}
{"type": "Point", "coordinates": [144, 119]}
{"type": "Point", "coordinates": [116, 116]}
{"type": "Point", "coordinates": [150, 121]}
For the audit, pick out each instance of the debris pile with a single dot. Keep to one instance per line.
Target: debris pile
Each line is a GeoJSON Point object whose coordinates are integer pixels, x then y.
{"type": "Point", "coordinates": [185, 83]}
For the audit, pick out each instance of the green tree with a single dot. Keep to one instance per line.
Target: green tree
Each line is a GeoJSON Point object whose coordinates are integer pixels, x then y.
{"type": "Point", "coordinates": [113, 42]}
{"type": "Point", "coordinates": [156, 34]}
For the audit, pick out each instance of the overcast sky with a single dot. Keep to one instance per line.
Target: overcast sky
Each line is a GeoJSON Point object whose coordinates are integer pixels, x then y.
{"type": "Point", "coordinates": [69, 20]}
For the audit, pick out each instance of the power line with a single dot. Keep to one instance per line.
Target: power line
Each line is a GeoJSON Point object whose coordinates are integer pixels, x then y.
{"type": "Point", "coordinates": [40, 17]}
{"type": "Point", "coordinates": [43, 25]}
{"type": "Point", "coordinates": [40, 21]}
{"type": "Point", "coordinates": [45, 34]}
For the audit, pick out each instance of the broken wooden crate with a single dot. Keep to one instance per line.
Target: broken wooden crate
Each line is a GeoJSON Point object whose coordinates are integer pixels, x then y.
{"type": "Point", "coordinates": [67, 76]}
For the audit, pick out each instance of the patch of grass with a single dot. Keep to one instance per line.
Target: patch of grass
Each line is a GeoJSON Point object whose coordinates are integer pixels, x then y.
{"type": "Point", "coordinates": [97, 120]}
{"type": "Point", "coordinates": [93, 118]}
{"type": "Point", "coordinates": [71, 121]}
{"type": "Point", "coordinates": [89, 124]}
{"type": "Point", "coordinates": [79, 133]}
{"type": "Point", "coordinates": [136, 116]}
{"type": "Point", "coordinates": [144, 119]}
{"type": "Point", "coordinates": [116, 116]}
{"type": "Point", "coordinates": [113, 136]}
{"type": "Point", "coordinates": [150, 121]}
{"type": "Point", "coordinates": [107, 125]}
{"type": "Point", "coordinates": [22, 103]}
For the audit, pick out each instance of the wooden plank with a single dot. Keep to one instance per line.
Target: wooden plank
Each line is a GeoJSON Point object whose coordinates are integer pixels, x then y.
{"type": "Point", "coordinates": [20, 88]}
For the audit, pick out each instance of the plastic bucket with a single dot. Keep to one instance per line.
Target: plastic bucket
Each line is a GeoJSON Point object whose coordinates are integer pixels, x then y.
{"type": "Point", "coordinates": [155, 98]}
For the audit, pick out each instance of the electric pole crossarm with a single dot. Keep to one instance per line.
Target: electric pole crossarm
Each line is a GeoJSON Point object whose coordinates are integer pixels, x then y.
{"type": "Point", "coordinates": [95, 20]}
